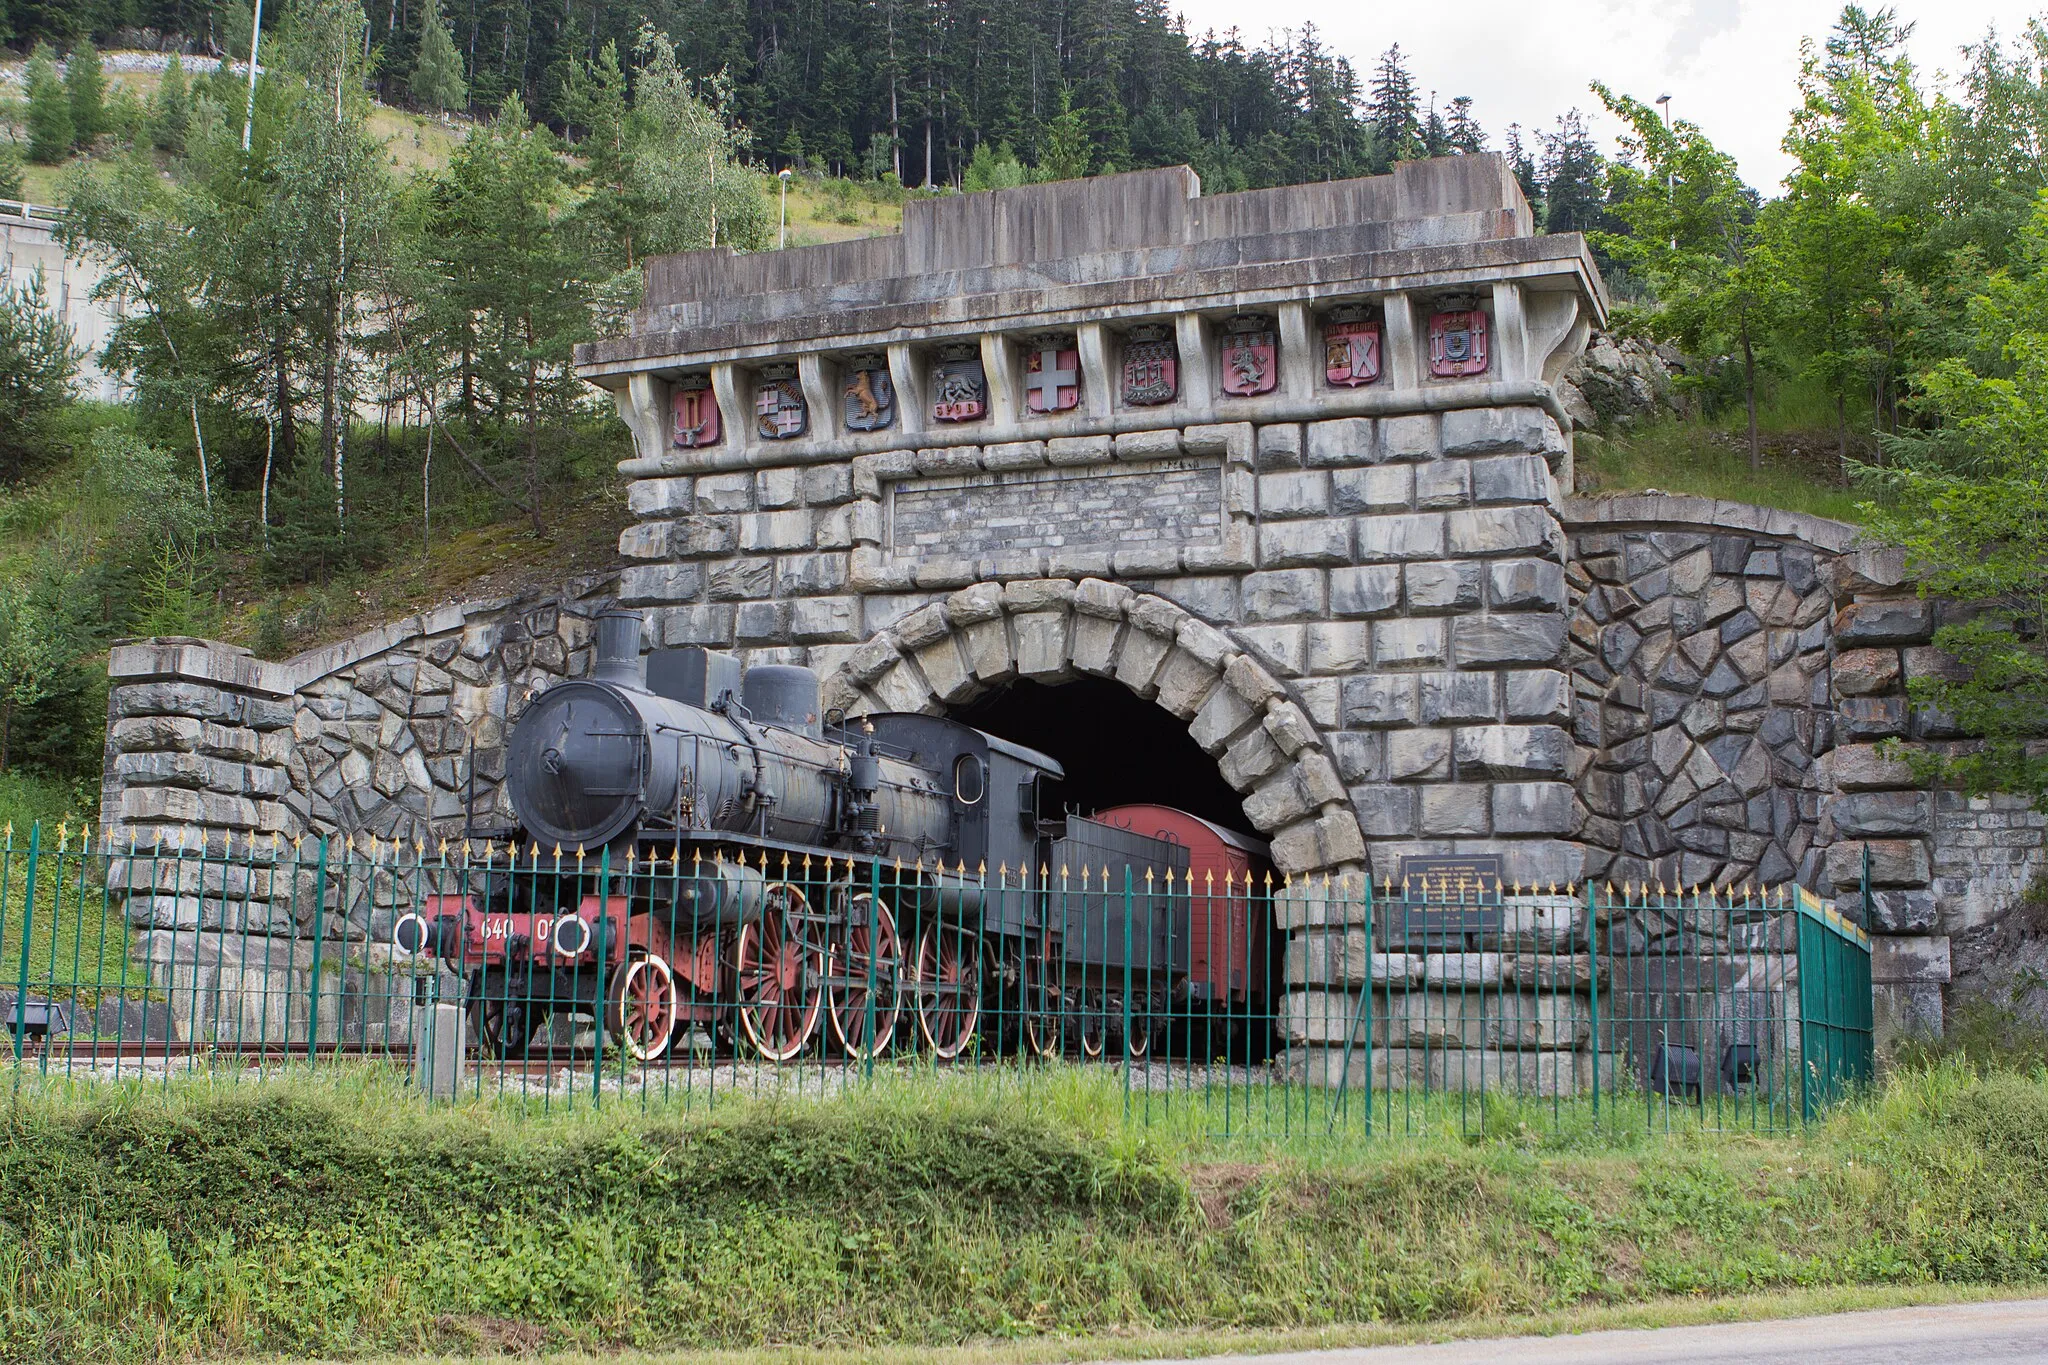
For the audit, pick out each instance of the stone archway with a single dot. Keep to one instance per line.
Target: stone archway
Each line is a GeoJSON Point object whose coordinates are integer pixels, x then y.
{"type": "Point", "coordinates": [1052, 630]}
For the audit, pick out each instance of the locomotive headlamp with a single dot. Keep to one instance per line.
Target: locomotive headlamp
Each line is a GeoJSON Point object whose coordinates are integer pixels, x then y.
{"type": "Point", "coordinates": [571, 936]}
{"type": "Point", "coordinates": [410, 933]}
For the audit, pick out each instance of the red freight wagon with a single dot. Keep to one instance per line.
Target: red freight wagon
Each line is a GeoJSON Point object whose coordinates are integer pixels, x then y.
{"type": "Point", "coordinates": [1227, 946]}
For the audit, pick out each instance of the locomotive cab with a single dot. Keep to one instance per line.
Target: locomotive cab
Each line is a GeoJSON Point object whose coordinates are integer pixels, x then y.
{"type": "Point", "coordinates": [996, 789]}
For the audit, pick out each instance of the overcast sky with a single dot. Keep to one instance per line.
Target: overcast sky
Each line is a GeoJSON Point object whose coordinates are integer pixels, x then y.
{"type": "Point", "coordinates": [1729, 65]}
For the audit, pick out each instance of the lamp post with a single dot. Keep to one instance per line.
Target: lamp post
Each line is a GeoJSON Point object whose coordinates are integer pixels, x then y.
{"type": "Point", "coordinates": [1670, 186]}
{"type": "Point", "coordinates": [782, 232]}
{"type": "Point", "coordinates": [249, 113]}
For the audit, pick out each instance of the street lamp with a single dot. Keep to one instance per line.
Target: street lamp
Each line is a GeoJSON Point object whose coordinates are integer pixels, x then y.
{"type": "Point", "coordinates": [782, 232]}
{"type": "Point", "coordinates": [1670, 185]}
{"type": "Point", "coordinates": [249, 114]}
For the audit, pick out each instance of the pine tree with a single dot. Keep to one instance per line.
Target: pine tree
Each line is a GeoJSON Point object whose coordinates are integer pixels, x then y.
{"type": "Point", "coordinates": [507, 280]}
{"type": "Point", "coordinates": [1436, 134]}
{"type": "Point", "coordinates": [1524, 167]}
{"type": "Point", "coordinates": [437, 82]}
{"type": "Point", "coordinates": [85, 86]}
{"type": "Point", "coordinates": [38, 361]}
{"type": "Point", "coordinates": [10, 170]}
{"type": "Point", "coordinates": [1393, 111]}
{"type": "Point", "coordinates": [1864, 43]}
{"type": "Point", "coordinates": [170, 111]}
{"type": "Point", "coordinates": [49, 111]}
{"type": "Point", "coordinates": [1574, 199]}
{"type": "Point", "coordinates": [1065, 154]}
{"type": "Point", "coordinates": [1466, 136]}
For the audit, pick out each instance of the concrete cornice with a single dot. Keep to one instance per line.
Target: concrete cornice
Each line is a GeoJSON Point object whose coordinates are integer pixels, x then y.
{"type": "Point", "coordinates": [1665, 510]}
{"type": "Point", "coordinates": [1113, 250]}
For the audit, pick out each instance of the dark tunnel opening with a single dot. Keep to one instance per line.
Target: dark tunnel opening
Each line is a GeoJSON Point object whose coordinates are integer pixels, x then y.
{"type": "Point", "coordinates": [1116, 747]}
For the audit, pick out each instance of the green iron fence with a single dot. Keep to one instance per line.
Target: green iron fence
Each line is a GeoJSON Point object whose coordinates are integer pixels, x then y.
{"type": "Point", "coordinates": [1234, 1006]}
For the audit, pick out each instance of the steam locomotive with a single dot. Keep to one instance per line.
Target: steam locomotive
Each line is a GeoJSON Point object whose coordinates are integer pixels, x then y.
{"type": "Point", "coordinates": [744, 869]}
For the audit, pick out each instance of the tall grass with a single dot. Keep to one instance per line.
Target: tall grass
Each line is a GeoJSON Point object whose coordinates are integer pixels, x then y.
{"type": "Point", "coordinates": [1683, 457]}
{"type": "Point", "coordinates": [1708, 455]}
{"type": "Point", "coordinates": [335, 1215]}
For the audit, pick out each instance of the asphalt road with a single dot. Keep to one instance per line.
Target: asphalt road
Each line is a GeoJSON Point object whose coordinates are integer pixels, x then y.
{"type": "Point", "coordinates": [1946, 1334]}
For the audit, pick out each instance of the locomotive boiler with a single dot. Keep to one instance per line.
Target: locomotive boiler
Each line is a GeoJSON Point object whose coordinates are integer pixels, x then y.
{"type": "Point", "coordinates": [708, 856]}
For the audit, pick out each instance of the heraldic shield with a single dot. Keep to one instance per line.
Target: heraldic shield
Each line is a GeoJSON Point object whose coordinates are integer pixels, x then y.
{"type": "Point", "coordinates": [1457, 342]}
{"type": "Point", "coordinates": [696, 412]}
{"type": "Point", "coordinates": [959, 385]}
{"type": "Point", "coordinates": [869, 398]}
{"type": "Point", "coordinates": [780, 412]}
{"type": "Point", "coordinates": [1351, 350]}
{"type": "Point", "coordinates": [1151, 367]}
{"type": "Point", "coordinates": [1052, 373]}
{"type": "Point", "coordinates": [1250, 356]}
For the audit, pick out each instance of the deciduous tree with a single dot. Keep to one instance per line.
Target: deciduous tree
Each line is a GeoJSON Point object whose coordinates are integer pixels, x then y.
{"type": "Point", "coordinates": [1969, 504]}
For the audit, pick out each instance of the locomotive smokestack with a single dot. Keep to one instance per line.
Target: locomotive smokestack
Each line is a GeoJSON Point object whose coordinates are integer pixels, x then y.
{"type": "Point", "coordinates": [617, 657]}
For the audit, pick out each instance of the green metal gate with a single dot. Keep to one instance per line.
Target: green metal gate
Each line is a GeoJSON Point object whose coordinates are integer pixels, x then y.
{"type": "Point", "coordinates": [1834, 1004]}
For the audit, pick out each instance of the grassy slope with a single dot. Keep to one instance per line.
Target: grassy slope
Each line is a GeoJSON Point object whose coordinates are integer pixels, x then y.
{"type": "Point", "coordinates": [335, 1217]}
{"type": "Point", "coordinates": [1710, 456]}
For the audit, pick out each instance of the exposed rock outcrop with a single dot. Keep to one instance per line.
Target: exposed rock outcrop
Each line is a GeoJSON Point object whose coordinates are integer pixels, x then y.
{"type": "Point", "coordinates": [1619, 382]}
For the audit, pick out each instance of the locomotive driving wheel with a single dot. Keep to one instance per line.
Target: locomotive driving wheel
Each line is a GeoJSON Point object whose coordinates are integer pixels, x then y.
{"type": "Point", "coordinates": [779, 978]}
{"type": "Point", "coordinates": [503, 1027]}
{"type": "Point", "coordinates": [1138, 1043]}
{"type": "Point", "coordinates": [866, 947]}
{"type": "Point", "coordinates": [1043, 1002]}
{"type": "Point", "coordinates": [948, 988]}
{"type": "Point", "coordinates": [642, 1010]}
{"type": "Point", "coordinates": [1093, 1028]}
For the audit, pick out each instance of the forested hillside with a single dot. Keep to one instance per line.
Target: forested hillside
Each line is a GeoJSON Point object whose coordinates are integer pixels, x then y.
{"type": "Point", "coordinates": [912, 87]}
{"type": "Point", "coordinates": [348, 306]}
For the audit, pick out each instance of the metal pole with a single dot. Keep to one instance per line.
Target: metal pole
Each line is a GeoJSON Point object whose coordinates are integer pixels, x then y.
{"type": "Point", "coordinates": [1127, 989]}
{"type": "Point", "coordinates": [604, 984]}
{"type": "Point", "coordinates": [782, 232]}
{"type": "Point", "coordinates": [1593, 985]}
{"type": "Point", "coordinates": [319, 938]}
{"type": "Point", "coordinates": [249, 113]}
{"type": "Point", "coordinates": [874, 1044]}
{"type": "Point", "coordinates": [1670, 180]}
{"type": "Point", "coordinates": [28, 915]}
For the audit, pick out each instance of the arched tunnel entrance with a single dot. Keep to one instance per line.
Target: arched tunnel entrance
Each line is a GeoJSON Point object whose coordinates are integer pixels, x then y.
{"type": "Point", "coordinates": [1212, 956]}
{"type": "Point", "coordinates": [1117, 748]}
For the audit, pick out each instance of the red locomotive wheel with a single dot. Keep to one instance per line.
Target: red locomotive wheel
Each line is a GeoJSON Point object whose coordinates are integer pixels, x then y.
{"type": "Point", "coordinates": [948, 986]}
{"type": "Point", "coordinates": [853, 959]}
{"type": "Point", "coordinates": [780, 997]}
{"type": "Point", "coordinates": [643, 1008]}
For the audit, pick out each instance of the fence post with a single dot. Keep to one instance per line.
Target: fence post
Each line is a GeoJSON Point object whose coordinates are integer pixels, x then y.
{"type": "Point", "coordinates": [1593, 985]}
{"type": "Point", "coordinates": [604, 984]}
{"type": "Point", "coordinates": [28, 915]}
{"type": "Point", "coordinates": [319, 941]}
{"type": "Point", "coordinates": [1127, 989]}
{"type": "Point", "coordinates": [1361, 1013]}
{"type": "Point", "coordinates": [874, 1044]}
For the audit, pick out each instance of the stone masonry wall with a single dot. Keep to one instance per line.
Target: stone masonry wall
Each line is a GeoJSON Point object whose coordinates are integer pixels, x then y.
{"type": "Point", "coordinates": [370, 737]}
{"type": "Point", "coordinates": [1700, 656]}
{"type": "Point", "coordinates": [1402, 580]}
